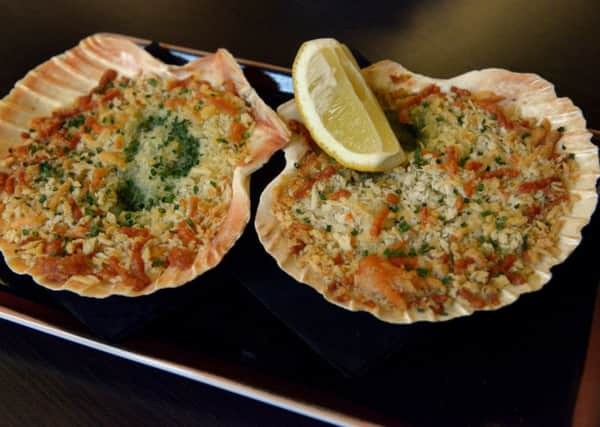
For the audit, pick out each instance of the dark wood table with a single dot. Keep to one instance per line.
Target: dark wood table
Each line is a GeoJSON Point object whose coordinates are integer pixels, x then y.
{"type": "Point", "coordinates": [47, 381]}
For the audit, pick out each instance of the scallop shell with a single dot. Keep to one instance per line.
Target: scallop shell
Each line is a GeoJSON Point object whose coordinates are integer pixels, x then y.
{"type": "Point", "coordinates": [59, 81]}
{"type": "Point", "coordinates": [536, 98]}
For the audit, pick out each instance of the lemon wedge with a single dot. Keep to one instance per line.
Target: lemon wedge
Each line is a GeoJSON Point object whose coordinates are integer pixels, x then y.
{"type": "Point", "coordinates": [340, 111]}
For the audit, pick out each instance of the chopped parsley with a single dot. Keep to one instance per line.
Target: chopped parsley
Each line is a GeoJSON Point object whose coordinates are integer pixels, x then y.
{"type": "Point", "coordinates": [424, 248]}
{"type": "Point", "coordinates": [422, 272]}
{"type": "Point", "coordinates": [501, 222]}
{"type": "Point", "coordinates": [394, 252]}
{"type": "Point", "coordinates": [89, 198]}
{"type": "Point", "coordinates": [130, 196]}
{"type": "Point", "coordinates": [75, 122]}
{"type": "Point", "coordinates": [94, 230]}
{"type": "Point", "coordinates": [131, 149]}
{"type": "Point", "coordinates": [48, 170]}
{"type": "Point", "coordinates": [185, 147]}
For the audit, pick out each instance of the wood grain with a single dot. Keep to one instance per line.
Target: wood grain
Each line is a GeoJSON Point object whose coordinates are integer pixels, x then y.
{"type": "Point", "coordinates": [587, 407]}
{"type": "Point", "coordinates": [46, 381]}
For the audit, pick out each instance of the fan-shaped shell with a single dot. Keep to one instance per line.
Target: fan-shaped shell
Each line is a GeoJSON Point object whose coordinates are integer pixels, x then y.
{"type": "Point", "coordinates": [535, 97]}
{"type": "Point", "coordinates": [58, 82]}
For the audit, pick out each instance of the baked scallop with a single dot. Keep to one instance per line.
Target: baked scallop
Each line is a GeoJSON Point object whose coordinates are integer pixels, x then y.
{"type": "Point", "coordinates": [122, 175]}
{"type": "Point", "coordinates": [499, 184]}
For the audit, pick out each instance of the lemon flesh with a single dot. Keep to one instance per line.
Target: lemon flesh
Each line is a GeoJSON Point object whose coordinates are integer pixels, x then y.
{"type": "Point", "coordinates": [340, 111]}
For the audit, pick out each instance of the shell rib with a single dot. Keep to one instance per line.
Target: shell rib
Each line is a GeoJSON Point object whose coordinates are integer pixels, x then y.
{"type": "Point", "coordinates": [536, 98]}
{"type": "Point", "coordinates": [59, 81]}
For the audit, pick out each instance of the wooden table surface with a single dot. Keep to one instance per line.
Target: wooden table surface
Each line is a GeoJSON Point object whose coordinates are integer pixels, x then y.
{"type": "Point", "coordinates": [46, 381]}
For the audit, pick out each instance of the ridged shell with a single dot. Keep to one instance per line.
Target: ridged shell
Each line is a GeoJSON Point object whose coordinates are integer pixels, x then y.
{"type": "Point", "coordinates": [59, 81]}
{"type": "Point", "coordinates": [536, 98]}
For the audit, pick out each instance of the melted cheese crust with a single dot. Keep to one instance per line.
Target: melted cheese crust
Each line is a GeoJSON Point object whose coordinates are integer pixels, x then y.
{"type": "Point", "coordinates": [478, 205]}
{"type": "Point", "coordinates": [130, 181]}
